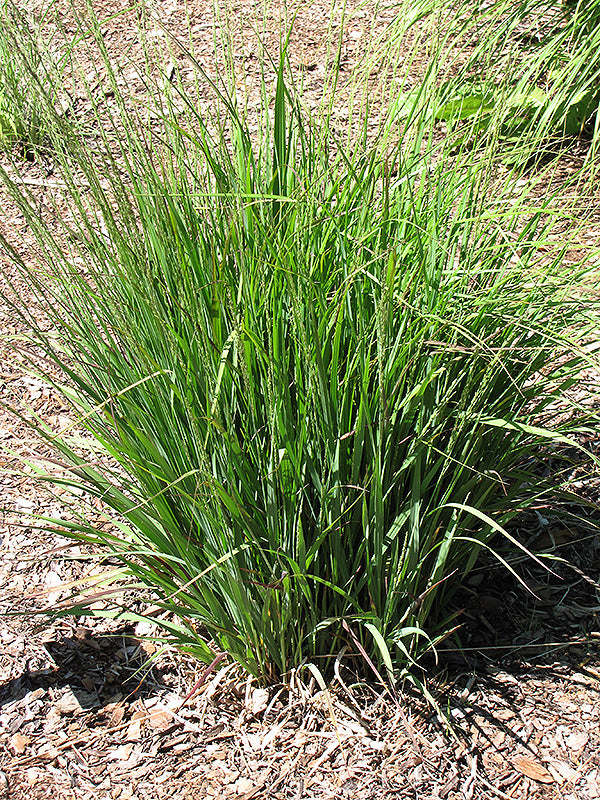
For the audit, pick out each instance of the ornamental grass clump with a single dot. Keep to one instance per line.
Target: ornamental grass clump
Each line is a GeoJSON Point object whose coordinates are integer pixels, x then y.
{"type": "Point", "coordinates": [316, 381]}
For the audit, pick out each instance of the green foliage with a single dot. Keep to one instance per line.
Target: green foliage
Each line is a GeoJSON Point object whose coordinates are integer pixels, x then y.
{"type": "Point", "coordinates": [573, 117]}
{"type": "Point", "coordinates": [530, 72]}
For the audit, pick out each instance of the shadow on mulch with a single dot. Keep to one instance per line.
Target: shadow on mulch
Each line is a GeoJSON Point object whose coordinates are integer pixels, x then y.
{"type": "Point", "coordinates": [524, 639]}
{"type": "Point", "coordinates": [544, 614]}
{"type": "Point", "coordinates": [96, 668]}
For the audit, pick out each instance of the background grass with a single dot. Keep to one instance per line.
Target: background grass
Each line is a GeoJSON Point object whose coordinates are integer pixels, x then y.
{"type": "Point", "coordinates": [528, 72]}
{"type": "Point", "coordinates": [30, 69]}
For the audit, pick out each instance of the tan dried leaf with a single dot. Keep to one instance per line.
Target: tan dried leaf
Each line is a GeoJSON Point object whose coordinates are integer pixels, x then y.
{"type": "Point", "coordinates": [532, 769]}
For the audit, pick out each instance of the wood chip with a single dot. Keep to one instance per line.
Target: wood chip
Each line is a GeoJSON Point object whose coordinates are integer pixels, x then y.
{"type": "Point", "coordinates": [160, 720]}
{"type": "Point", "coordinates": [577, 741]}
{"type": "Point", "coordinates": [122, 753]}
{"type": "Point", "coordinates": [258, 702]}
{"type": "Point", "coordinates": [561, 770]}
{"type": "Point", "coordinates": [117, 715]}
{"type": "Point", "coordinates": [17, 744]}
{"type": "Point", "coordinates": [134, 731]}
{"type": "Point", "coordinates": [532, 769]}
{"type": "Point", "coordinates": [71, 703]}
